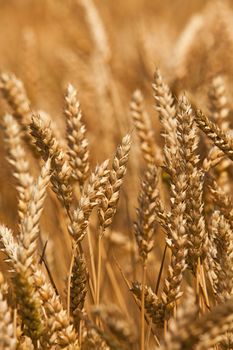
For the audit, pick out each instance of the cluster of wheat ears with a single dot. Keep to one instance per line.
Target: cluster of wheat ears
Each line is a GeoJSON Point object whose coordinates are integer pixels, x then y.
{"type": "Point", "coordinates": [184, 206]}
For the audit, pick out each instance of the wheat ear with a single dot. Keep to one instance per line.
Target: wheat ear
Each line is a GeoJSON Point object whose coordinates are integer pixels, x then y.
{"type": "Point", "coordinates": [108, 203]}
{"type": "Point", "coordinates": [76, 136]}
{"type": "Point", "coordinates": [150, 151]}
{"type": "Point", "coordinates": [165, 106]}
{"type": "Point", "coordinates": [221, 139]}
{"type": "Point", "coordinates": [91, 196]}
{"type": "Point", "coordinates": [147, 212]}
{"type": "Point", "coordinates": [14, 92]}
{"type": "Point", "coordinates": [145, 229]}
{"type": "Point", "coordinates": [22, 256]}
{"type": "Point", "coordinates": [60, 331]}
{"type": "Point", "coordinates": [18, 160]}
{"type": "Point", "coordinates": [38, 292]}
{"type": "Point", "coordinates": [223, 202]}
{"type": "Point", "coordinates": [176, 167]}
{"type": "Point", "coordinates": [153, 306]}
{"type": "Point", "coordinates": [222, 255]}
{"type": "Point", "coordinates": [195, 176]}
{"type": "Point", "coordinates": [48, 146]}
{"type": "Point", "coordinates": [78, 288]}
{"type": "Point", "coordinates": [29, 304]}
{"type": "Point", "coordinates": [107, 207]}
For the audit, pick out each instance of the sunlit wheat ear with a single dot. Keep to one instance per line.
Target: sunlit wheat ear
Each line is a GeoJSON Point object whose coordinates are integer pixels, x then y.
{"type": "Point", "coordinates": [90, 197]}
{"type": "Point", "coordinates": [165, 106]}
{"type": "Point", "coordinates": [28, 301]}
{"type": "Point", "coordinates": [76, 135]}
{"type": "Point", "coordinates": [7, 338]}
{"type": "Point", "coordinates": [17, 157]}
{"type": "Point", "coordinates": [29, 229]}
{"type": "Point", "coordinates": [9, 244]}
{"type": "Point", "coordinates": [150, 151]}
{"type": "Point", "coordinates": [15, 94]}
{"type": "Point", "coordinates": [213, 158]}
{"type": "Point", "coordinates": [37, 292]}
{"type": "Point", "coordinates": [48, 146]}
{"type": "Point", "coordinates": [195, 177]}
{"type": "Point", "coordinates": [147, 212]}
{"type": "Point", "coordinates": [178, 187]}
{"type": "Point", "coordinates": [23, 254]}
{"type": "Point", "coordinates": [220, 138]}
{"type": "Point", "coordinates": [108, 204]}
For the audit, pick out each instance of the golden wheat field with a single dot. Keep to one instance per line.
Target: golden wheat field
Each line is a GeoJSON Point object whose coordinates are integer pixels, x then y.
{"type": "Point", "coordinates": [116, 177]}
